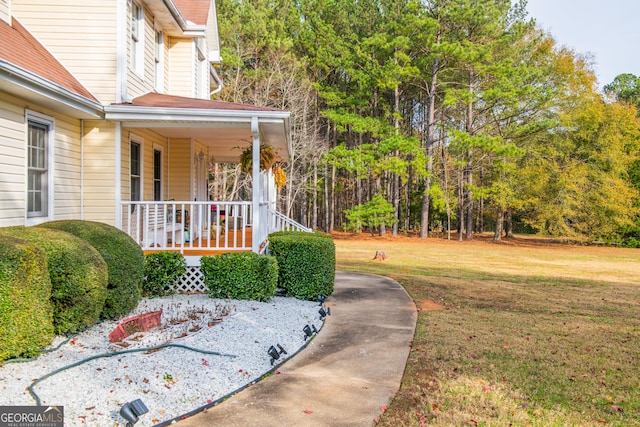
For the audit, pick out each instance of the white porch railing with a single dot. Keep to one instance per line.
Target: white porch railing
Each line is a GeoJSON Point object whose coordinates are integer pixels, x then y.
{"type": "Point", "coordinates": [280, 222]}
{"type": "Point", "coordinates": [188, 226]}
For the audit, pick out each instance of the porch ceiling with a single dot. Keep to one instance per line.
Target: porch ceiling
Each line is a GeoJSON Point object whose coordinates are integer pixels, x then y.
{"type": "Point", "coordinates": [225, 128]}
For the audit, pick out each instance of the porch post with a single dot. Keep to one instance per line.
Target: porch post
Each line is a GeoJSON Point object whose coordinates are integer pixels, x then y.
{"type": "Point", "coordinates": [256, 190]}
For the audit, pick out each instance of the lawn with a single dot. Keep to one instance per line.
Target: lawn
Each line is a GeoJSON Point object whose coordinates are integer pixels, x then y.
{"type": "Point", "coordinates": [515, 333]}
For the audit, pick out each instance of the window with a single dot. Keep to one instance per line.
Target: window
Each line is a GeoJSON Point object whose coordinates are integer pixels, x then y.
{"type": "Point", "coordinates": [136, 172]}
{"type": "Point", "coordinates": [159, 61]}
{"type": "Point", "coordinates": [157, 175]}
{"type": "Point", "coordinates": [38, 168]}
{"type": "Point", "coordinates": [137, 38]}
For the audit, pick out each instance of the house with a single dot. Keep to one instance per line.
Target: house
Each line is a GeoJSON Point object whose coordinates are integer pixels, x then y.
{"type": "Point", "coordinates": [106, 115]}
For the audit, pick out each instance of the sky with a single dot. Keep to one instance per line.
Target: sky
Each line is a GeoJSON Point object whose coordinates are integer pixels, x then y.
{"type": "Point", "coordinates": [608, 30]}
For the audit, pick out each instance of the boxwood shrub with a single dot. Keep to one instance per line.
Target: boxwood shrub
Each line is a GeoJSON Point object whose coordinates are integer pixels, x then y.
{"type": "Point", "coordinates": [162, 270]}
{"type": "Point", "coordinates": [26, 314]}
{"type": "Point", "coordinates": [78, 276]}
{"type": "Point", "coordinates": [240, 275]}
{"type": "Point", "coordinates": [124, 258]}
{"type": "Point", "coordinates": [306, 263]}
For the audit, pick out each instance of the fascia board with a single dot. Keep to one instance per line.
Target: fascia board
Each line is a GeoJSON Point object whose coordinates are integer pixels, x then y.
{"type": "Point", "coordinates": [129, 113]}
{"type": "Point", "coordinates": [47, 89]}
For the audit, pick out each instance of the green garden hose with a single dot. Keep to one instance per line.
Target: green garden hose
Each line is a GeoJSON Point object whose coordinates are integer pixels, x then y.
{"type": "Point", "coordinates": [118, 353]}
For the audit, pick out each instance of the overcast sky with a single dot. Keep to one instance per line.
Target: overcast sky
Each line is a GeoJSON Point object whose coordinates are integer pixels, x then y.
{"type": "Point", "coordinates": [609, 30]}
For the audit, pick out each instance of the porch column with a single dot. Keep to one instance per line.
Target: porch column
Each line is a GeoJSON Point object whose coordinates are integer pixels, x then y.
{"type": "Point", "coordinates": [255, 177]}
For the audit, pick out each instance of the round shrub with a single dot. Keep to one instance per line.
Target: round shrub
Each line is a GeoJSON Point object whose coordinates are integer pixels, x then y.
{"type": "Point", "coordinates": [306, 263]}
{"type": "Point", "coordinates": [124, 258]}
{"type": "Point", "coordinates": [240, 275]}
{"type": "Point", "coordinates": [78, 276]}
{"type": "Point", "coordinates": [162, 270]}
{"type": "Point", "coordinates": [26, 314]}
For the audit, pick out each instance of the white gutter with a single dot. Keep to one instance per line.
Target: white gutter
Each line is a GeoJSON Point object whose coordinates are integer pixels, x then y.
{"type": "Point", "coordinates": [45, 88]}
{"type": "Point", "coordinates": [132, 113]}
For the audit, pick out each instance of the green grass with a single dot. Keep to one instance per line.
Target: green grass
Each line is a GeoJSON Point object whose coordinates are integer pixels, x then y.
{"type": "Point", "coordinates": [529, 332]}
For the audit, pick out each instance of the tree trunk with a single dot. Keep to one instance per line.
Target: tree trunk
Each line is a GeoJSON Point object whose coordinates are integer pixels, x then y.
{"type": "Point", "coordinates": [509, 223]}
{"type": "Point", "coordinates": [326, 200]}
{"type": "Point", "coordinates": [332, 213]}
{"type": "Point", "coordinates": [469, 204]}
{"type": "Point", "coordinates": [499, 225]}
{"type": "Point", "coordinates": [314, 202]}
{"type": "Point", "coordinates": [430, 141]}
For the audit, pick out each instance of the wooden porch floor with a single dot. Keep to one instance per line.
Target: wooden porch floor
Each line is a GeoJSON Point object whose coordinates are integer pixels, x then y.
{"type": "Point", "coordinates": [234, 238]}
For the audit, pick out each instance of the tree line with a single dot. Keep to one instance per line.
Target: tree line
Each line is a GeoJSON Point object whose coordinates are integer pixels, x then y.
{"type": "Point", "coordinates": [435, 116]}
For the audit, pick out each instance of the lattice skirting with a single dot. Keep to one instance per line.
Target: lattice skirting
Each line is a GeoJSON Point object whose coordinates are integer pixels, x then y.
{"type": "Point", "coordinates": [191, 282]}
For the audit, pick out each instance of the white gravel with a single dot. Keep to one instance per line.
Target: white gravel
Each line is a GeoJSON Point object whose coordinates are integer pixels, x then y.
{"type": "Point", "coordinates": [170, 381]}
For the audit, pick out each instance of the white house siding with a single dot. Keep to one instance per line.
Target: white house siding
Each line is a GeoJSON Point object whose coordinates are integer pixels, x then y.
{"type": "Point", "coordinates": [5, 10]}
{"type": "Point", "coordinates": [99, 171]}
{"type": "Point", "coordinates": [12, 162]}
{"type": "Point", "coordinates": [181, 71]}
{"type": "Point", "coordinates": [81, 35]}
{"type": "Point", "coordinates": [66, 167]}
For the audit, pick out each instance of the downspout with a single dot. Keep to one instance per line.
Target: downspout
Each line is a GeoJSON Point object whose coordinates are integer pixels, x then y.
{"type": "Point", "coordinates": [82, 169]}
{"type": "Point", "coordinates": [118, 175]}
{"type": "Point", "coordinates": [217, 79]}
{"type": "Point", "coordinates": [255, 194]}
{"type": "Point", "coordinates": [121, 52]}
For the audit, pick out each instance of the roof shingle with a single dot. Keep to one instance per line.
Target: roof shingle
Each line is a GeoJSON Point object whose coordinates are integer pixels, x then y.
{"type": "Point", "coordinates": [196, 11]}
{"type": "Point", "coordinates": [159, 100]}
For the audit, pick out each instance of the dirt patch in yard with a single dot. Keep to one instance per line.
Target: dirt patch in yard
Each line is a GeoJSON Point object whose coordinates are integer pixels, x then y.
{"type": "Point", "coordinates": [428, 305]}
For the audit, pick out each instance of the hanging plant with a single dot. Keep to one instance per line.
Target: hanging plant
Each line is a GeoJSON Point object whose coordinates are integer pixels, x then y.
{"type": "Point", "coordinates": [279, 175]}
{"type": "Point", "coordinates": [268, 157]}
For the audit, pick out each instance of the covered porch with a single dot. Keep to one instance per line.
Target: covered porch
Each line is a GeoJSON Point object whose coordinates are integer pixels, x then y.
{"type": "Point", "coordinates": [167, 146]}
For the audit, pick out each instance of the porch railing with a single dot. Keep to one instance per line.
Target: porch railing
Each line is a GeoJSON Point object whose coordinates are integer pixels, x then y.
{"type": "Point", "coordinates": [189, 225]}
{"type": "Point", "coordinates": [281, 222]}
{"type": "Point", "coordinates": [201, 226]}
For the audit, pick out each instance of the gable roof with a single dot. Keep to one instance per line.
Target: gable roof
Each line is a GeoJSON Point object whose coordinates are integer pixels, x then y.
{"type": "Point", "coordinates": [196, 11]}
{"type": "Point", "coordinates": [21, 49]}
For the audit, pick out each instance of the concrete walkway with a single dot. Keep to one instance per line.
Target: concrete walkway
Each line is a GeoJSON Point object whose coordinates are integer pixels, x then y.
{"type": "Point", "coordinates": [344, 377]}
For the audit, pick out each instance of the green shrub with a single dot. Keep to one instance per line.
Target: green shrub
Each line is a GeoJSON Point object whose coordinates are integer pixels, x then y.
{"type": "Point", "coordinates": [26, 314]}
{"type": "Point", "coordinates": [240, 275]}
{"type": "Point", "coordinates": [162, 270]}
{"type": "Point", "coordinates": [306, 263]}
{"type": "Point", "coordinates": [124, 258]}
{"type": "Point", "coordinates": [78, 276]}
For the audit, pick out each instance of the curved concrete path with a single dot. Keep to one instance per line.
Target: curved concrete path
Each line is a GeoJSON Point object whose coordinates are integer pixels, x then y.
{"type": "Point", "coordinates": [344, 377]}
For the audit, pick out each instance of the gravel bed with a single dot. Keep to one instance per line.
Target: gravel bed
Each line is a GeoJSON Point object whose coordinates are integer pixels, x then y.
{"type": "Point", "coordinates": [170, 381]}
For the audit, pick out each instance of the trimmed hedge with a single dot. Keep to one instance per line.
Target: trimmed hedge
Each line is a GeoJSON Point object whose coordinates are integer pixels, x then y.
{"type": "Point", "coordinates": [124, 258]}
{"type": "Point", "coordinates": [26, 313]}
{"type": "Point", "coordinates": [240, 275]}
{"type": "Point", "coordinates": [161, 273]}
{"type": "Point", "coordinates": [78, 276]}
{"type": "Point", "coordinates": [306, 263]}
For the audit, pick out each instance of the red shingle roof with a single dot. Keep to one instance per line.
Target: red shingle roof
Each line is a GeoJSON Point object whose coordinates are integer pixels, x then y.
{"type": "Point", "coordinates": [20, 48]}
{"type": "Point", "coordinates": [159, 100]}
{"type": "Point", "coordinates": [195, 11]}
